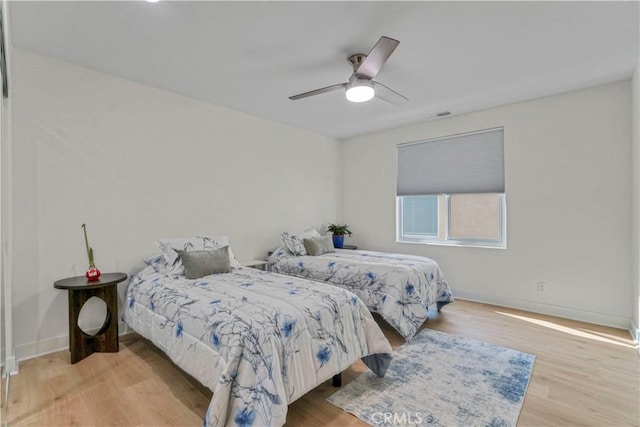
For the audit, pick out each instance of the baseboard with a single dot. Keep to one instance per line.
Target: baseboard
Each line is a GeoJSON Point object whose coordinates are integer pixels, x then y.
{"type": "Point", "coordinates": [588, 316]}
{"type": "Point", "coordinates": [51, 345]}
{"type": "Point", "coordinates": [10, 367]}
{"type": "Point", "coordinates": [635, 334]}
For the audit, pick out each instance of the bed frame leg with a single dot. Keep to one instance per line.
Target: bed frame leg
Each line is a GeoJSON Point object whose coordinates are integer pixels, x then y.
{"type": "Point", "coordinates": [337, 380]}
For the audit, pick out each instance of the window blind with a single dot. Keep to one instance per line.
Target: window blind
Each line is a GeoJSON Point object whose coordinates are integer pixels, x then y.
{"type": "Point", "coordinates": [466, 163]}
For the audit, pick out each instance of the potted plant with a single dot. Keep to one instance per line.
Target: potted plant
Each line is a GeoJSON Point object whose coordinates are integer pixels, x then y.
{"type": "Point", "coordinates": [339, 231]}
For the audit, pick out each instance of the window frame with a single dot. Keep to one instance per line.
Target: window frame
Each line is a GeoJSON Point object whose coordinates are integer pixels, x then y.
{"type": "Point", "coordinates": [501, 243]}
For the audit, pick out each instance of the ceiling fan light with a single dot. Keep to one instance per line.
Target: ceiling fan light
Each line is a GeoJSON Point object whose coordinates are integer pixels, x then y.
{"type": "Point", "coordinates": [360, 93]}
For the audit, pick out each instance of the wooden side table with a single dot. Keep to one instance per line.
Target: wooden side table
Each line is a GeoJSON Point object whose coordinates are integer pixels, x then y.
{"type": "Point", "coordinates": [80, 291]}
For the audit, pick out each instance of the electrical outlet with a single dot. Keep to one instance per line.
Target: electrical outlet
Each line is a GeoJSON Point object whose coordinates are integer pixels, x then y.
{"type": "Point", "coordinates": [540, 286]}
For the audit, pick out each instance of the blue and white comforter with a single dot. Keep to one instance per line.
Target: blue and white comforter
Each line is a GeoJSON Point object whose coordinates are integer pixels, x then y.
{"type": "Point", "coordinates": [258, 340]}
{"type": "Point", "coordinates": [398, 287]}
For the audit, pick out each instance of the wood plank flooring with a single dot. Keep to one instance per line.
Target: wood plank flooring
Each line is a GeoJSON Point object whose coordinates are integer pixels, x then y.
{"type": "Point", "coordinates": [584, 375]}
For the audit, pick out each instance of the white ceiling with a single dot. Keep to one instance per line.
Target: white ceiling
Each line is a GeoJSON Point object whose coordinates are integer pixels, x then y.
{"type": "Point", "coordinates": [250, 56]}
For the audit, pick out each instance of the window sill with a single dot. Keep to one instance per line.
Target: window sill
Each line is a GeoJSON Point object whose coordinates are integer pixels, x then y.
{"type": "Point", "coordinates": [455, 244]}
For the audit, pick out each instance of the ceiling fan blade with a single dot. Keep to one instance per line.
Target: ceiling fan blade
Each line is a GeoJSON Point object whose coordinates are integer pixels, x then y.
{"type": "Point", "coordinates": [387, 94]}
{"type": "Point", "coordinates": [374, 61]}
{"type": "Point", "coordinates": [318, 91]}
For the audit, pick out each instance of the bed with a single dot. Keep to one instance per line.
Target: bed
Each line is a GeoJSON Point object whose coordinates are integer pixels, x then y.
{"type": "Point", "coordinates": [257, 339]}
{"type": "Point", "coordinates": [398, 287]}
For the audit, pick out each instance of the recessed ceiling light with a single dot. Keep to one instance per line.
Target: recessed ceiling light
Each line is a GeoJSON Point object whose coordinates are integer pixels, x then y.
{"type": "Point", "coordinates": [153, 1]}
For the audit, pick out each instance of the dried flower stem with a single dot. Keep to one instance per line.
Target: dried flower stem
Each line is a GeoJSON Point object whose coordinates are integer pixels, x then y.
{"type": "Point", "coordinates": [89, 250]}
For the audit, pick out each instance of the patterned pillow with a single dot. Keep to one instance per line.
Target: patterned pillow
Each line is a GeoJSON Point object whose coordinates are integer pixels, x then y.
{"type": "Point", "coordinates": [319, 245]}
{"type": "Point", "coordinates": [159, 264]}
{"type": "Point", "coordinates": [295, 241]}
{"type": "Point", "coordinates": [198, 264]}
{"type": "Point", "coordinates": [170, 245]}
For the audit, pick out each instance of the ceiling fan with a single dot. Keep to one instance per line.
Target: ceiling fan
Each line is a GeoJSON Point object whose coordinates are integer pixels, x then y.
{"type": "Point", "coordinates": [361, 87]}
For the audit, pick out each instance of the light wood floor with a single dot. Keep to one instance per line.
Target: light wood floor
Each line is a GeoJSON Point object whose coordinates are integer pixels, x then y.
{"type": "Point", "coordinates": [584, 375]}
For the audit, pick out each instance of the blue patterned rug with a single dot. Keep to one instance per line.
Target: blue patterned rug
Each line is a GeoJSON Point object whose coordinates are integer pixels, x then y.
{"type": "Point", "coordinates": [442, 380]}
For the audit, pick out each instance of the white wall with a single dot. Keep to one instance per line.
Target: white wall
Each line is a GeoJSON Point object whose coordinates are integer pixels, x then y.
{"type": "Point", "coordinates": [136, 164]}
{"type": "Point", "coordinates": [568, 182]}
{"type": "Point", "coordinates": [635, 250]}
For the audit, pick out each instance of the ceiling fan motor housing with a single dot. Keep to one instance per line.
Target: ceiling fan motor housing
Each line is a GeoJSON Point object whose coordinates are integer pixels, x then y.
{"type": "Point", "coordinates": [357, 59]}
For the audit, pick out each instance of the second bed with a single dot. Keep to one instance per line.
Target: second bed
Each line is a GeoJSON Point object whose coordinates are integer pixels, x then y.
{"type": "Point", "coordinates": [398, 287]}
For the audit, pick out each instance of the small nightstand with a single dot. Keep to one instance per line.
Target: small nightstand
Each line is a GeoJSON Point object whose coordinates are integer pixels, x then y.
{"type": "Point", "coordinates": [80, 291]}
{"type": "Point", "coordinates": [260, 264]}
{"type": "Point", "coordinates": [351, 247]}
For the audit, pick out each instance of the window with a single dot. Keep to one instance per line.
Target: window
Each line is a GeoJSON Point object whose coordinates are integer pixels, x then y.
{"type": "Point", "coordinates": [451, 191]}
{"type": "Point", "coordinates": [453, 219]}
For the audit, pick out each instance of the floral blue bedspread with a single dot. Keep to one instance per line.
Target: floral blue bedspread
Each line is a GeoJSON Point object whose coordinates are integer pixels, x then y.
{"type": "Point", "coordinates": [258, 340]}
{"type": "Point", "coordinates": [398, 287]}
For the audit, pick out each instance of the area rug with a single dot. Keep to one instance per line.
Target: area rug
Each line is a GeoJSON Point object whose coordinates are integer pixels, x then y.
{"type": "Point", "coordinates": [442, 380]}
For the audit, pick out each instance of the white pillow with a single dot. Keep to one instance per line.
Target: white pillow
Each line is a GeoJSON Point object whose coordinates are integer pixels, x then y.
{"type": "Point", "coordinates": [295, 241]}
{"type": "Point", "coordinates": [170, 245]}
